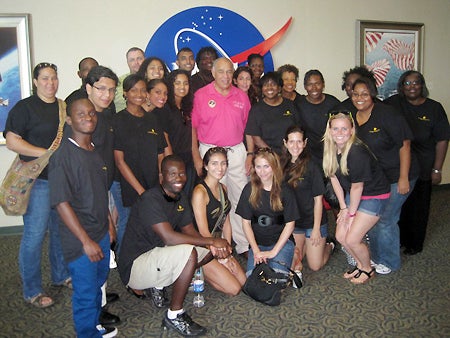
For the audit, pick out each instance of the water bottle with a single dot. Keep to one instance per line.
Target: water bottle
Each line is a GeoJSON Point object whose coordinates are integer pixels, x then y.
{"type": "Point", "coordinates": [199, 287]}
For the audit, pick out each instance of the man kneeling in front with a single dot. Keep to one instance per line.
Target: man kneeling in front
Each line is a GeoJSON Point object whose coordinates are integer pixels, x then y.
{"type": "Point", "coordinates": [161, 247]}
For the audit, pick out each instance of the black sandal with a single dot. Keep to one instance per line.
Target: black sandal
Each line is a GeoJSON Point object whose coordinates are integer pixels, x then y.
{"type": "Point", "coordinates": [350, 273]}
{"type": "Point", "coordinates": [142, 296]}
{"type": "Point", "coordinates": [369, 275]}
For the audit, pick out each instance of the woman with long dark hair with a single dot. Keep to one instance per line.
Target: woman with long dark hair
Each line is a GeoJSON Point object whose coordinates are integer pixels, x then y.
{"type": "Point", "coordinates": [211, 208]}
{"type": "Point", "coordinates": [305, 178]}
{"type": "Point", "coordinates": [268, 210]}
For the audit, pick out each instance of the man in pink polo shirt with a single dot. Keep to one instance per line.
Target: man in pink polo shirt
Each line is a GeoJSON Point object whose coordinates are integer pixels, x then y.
{"type": "Point", "coordinates": [219, 117]}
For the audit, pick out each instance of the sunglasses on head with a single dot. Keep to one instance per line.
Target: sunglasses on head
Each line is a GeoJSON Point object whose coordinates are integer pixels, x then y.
{"type": "Point", "coordinates": [336, 112]}
{"type": "Point", "coordinates": [42, 65]}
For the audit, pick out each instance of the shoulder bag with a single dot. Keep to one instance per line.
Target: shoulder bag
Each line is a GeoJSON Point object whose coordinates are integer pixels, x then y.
{"type": "Point", "coordinates": [19, 180]}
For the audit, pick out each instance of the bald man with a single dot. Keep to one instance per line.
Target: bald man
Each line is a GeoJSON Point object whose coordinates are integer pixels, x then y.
{"type": "Point", "coordinates": [219, 117]}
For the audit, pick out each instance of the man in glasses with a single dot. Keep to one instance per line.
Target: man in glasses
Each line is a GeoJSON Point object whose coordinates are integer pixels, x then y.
{"type": "Point", "coordinates": [219, 117]}
{"type": "Point", "coordinates": [101, 83]}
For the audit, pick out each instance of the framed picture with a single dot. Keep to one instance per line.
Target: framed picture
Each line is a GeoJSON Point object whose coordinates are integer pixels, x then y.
{"type": "Point", "coordinates": [15, 63]}
{"type": "Point", "coordinates": [388, 49]}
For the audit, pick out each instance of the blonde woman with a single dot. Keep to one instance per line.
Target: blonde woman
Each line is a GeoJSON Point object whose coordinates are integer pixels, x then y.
{"type": "Point", "coordinates": [360, 186]}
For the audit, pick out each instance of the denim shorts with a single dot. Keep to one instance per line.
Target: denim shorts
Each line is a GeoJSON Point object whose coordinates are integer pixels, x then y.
{"type": "Point", "coordinates": [307, 232]}
{"type": "Point", "coordinates": [374, 206]}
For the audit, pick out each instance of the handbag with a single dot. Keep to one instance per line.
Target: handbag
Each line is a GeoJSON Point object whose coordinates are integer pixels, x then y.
{"type": "Point", "coordinates": [19, 179]}
{"type": "Point", "coordinates": [265, 284]}
{"type": "Point", "coordinates": [330, 195]}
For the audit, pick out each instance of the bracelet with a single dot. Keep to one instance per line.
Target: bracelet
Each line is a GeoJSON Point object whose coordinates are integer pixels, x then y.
{"type": "Point", "coordinates": [344, 208]}
{"type": "Point", "coordinates": [352, 215]}
{"type": "Point", "coordinates": [250, 153]}
{"type": "Point", "coordinates": [436, 171]}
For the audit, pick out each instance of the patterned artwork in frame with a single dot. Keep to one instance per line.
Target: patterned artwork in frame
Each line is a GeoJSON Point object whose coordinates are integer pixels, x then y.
{"type": "Point", "coordinates": [15, 63]}
{"type": "Point", "coordinates": [388, 49]}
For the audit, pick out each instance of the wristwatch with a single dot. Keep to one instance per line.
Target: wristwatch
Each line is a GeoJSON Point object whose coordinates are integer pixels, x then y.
{"type": "Point", "coordinates": [436, 171]}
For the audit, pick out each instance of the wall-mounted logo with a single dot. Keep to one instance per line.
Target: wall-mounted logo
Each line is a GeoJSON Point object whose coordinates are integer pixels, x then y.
{"type": "Point", "coordinates": [229, 33]}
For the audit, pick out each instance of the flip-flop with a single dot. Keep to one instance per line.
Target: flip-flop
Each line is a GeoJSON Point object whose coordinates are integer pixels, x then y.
{"type": "Point", "coordinates": [370, 275]}
{"type": "Point", "coordinates": [351, 273]}
{"type": "Point", "coordinates": [39, 301]}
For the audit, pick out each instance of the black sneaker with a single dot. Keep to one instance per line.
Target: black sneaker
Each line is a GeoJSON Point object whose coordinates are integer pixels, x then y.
{"type": "Point", "coordinates": [184, 325]}
{"type": "Point", "coordinates": [159, 297]}
{"type": "Point", "coordinates": [106, 331]}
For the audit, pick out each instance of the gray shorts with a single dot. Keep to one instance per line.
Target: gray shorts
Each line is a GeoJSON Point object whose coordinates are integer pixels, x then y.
{"type": "Point", "coordinates": [161, 266]}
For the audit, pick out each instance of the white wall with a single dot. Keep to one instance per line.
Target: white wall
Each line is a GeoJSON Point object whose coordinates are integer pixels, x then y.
{"type": "Point", "coordinates": [321, 36]}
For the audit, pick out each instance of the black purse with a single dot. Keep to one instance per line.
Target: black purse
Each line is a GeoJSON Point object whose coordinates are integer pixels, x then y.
{"type": "Point", "coordinates": [330, 195]}
{"type": "Point", "coordinates": [265, 284]}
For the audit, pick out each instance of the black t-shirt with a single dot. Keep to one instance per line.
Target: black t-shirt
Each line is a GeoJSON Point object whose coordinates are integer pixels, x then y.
{"type": "Point", "coordinates": [36, 122]}
{"type": "Point", "coordinates": [151, 208]}
{"type": "Point", "coordinates": [267, 224]}
{"type": "Point", "coordinates": [179, 129]}
{"type": "Point", "coordinates": [429, 124]}
{"type": "Point", "coordinates": [308, 186]}
{"type": "Point", "coordinates": [347, 105]}
{"type": "Point", "coordinates": [384, 133]}
{"type": "Point", "coordinates": [313, 119]}
{"type": "Point", "coordinates": [141, 140]}
{"type": "Point", "coordinates": [79, 177]}
{"type": "Point", "coordinates": [271, 122]}
{"type": "Point", "coordinates": [363, 167]}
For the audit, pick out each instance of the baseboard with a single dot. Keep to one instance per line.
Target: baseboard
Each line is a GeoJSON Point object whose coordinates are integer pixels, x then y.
{"type": "Point", "coordinates": [11, 230]}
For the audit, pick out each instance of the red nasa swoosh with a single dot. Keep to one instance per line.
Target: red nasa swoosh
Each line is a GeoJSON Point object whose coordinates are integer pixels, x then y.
{"type": "Point", "coordinates": [264, 46]}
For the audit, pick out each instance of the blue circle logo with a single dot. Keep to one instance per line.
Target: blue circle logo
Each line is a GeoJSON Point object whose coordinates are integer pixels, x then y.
{"type": "Point", "coordinates": [229, 33]}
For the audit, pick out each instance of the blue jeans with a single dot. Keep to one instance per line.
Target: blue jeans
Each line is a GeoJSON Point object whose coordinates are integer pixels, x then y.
{"type": "Point", "coordinates": [285, 256]}
{"type": "Point", "coordinates": [384, 237]}
{"type": "Point", "coordinates": [124, 212]}
{"type": "Point", "coordinates": [87, 280]}
{"type": "Point", "coordinates": [37, 220]}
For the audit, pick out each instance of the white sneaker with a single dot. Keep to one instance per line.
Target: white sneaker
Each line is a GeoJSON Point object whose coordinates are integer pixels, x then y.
{"type": "Point", "coordinates": [107, 332]}
{"type": "Point", "coordinates": [300, 275]}
{"type": "Point", "coordinates": [381, 269]}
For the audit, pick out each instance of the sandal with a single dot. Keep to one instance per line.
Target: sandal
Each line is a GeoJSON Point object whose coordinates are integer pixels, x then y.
{"type": "Point", "coordinates": [40, 301]}
{"type": "Point", "coordinates": [67, 283]}
{"type": "Point", "coordinates": [351, 273]}
{"type": "Point", "coordinates": [143, 295]}
{"type": "Point", "coordinates": [370, 275]}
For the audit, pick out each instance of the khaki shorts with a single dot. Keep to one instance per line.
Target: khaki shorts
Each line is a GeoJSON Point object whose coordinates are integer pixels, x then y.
{"type": "Point", "coordinates": [162, 266]}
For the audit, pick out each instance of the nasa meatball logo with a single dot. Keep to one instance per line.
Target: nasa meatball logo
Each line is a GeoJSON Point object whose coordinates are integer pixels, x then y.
{"type": "Point", "coordinates": [232, 35]}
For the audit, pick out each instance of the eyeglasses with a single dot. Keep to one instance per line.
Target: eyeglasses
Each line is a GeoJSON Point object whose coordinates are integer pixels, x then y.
{"type": "Point", "coordinates": [362, 95]}
{"type": "Point", "coordinates": [410, 83]}
{"type": "Point", "coordinates": [104, 90]}
{"type": "Point", "coordinates": [42, 65]}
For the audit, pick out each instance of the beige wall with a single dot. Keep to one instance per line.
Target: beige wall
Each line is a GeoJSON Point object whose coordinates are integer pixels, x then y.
{"type": "Point", "coordinates": [321, 36]}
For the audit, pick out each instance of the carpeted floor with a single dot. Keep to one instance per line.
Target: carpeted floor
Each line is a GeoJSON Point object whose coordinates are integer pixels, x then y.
{"type": "Point", "coordinates": [413, 302]}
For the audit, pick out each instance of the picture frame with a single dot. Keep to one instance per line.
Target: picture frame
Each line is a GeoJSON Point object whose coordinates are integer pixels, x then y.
{"type": "Point", "coordinates": [15, 63]}
{"type": "Point", "coordinates": [388, 49]}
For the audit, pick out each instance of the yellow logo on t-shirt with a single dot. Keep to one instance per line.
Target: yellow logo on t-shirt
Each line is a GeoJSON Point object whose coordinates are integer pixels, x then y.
{"type": "Point", "coordinates": [424, 118]}
{"type": "Point", "coordinates": [180, 208]}
{"type": "Point", "coordinates": [287, 113]}
{"type": "Point", "coordinates": [374, 130]}
{"type": "Point", "coordinates": [152, 131]}
{"type": "Point", "coordinates": [104, 168]}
